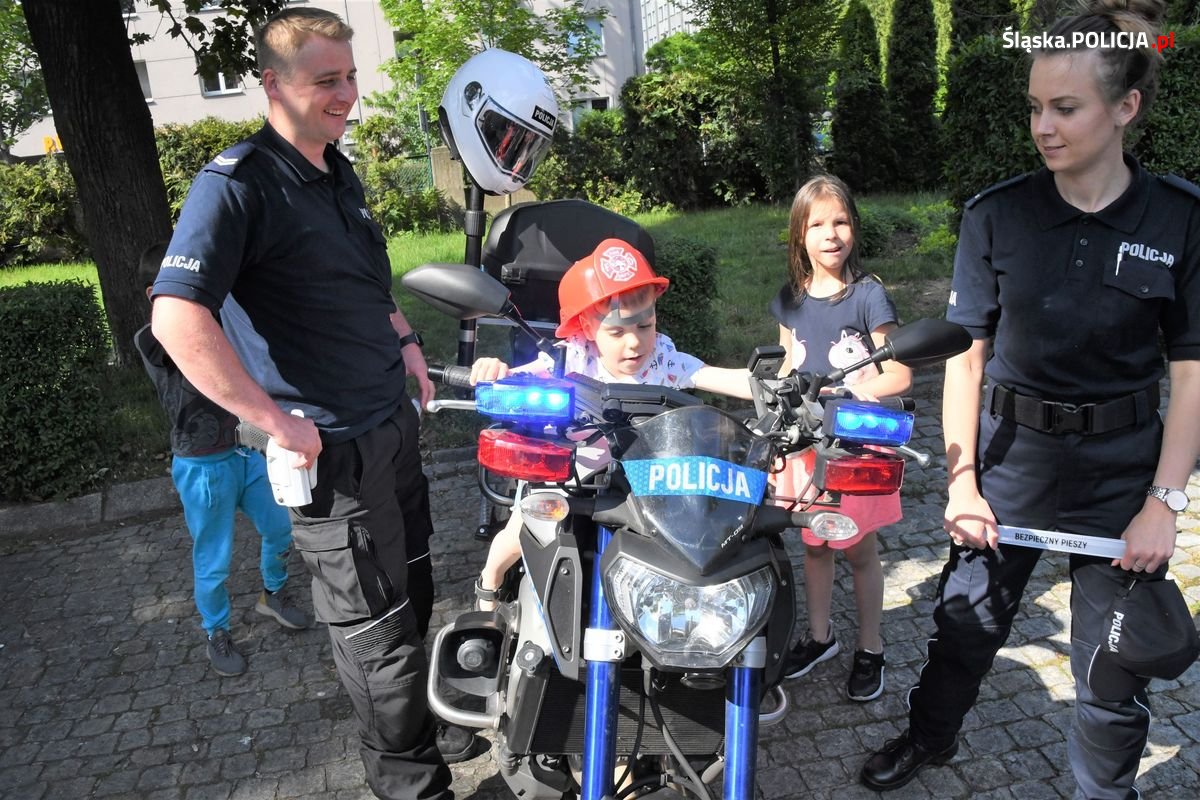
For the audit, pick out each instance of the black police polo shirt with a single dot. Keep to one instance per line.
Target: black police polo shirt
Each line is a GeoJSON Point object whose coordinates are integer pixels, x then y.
{"type": "Point", "coordinates": [307, 275]}
{"type": "Point", "coordinates": [1075, 301]}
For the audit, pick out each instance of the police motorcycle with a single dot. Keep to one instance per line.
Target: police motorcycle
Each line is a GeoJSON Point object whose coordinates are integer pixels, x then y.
{"type": "Point", "coordinates": [654, 606]}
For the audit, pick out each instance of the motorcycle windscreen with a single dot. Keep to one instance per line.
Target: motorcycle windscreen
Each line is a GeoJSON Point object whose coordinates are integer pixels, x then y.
{"type": "Point", "coordinates": [697, 476]}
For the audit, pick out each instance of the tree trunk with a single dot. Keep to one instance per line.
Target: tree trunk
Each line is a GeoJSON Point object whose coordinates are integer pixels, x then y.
{"type": "Point", "coordinates": [108, 140]}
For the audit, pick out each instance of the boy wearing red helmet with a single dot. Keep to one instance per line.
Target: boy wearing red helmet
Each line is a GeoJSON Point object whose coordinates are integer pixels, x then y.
{"type": "Point", "coordinates": [608, 324]}
{"type": "Point", "coordinates": [607, 321]}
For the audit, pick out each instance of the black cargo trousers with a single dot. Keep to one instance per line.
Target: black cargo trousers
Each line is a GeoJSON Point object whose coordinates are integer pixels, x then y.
{"type": "Point", "coordinates": [364, 539]}
{"type": "Point", "coordinates": [1093, 485]}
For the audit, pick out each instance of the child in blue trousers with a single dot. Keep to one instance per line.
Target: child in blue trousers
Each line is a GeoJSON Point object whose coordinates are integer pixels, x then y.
{"type": "Point", "coordinates": [214, 479]}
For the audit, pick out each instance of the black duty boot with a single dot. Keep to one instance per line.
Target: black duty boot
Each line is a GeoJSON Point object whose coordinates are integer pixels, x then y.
{"type": "Point", "coordinates": [899, 762]}
{"type": "Point", "coordinates": [458, 744]}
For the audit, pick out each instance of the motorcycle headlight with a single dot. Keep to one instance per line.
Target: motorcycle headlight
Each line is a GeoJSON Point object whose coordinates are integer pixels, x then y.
{"type": "Point", "coordinates": [681, 625]}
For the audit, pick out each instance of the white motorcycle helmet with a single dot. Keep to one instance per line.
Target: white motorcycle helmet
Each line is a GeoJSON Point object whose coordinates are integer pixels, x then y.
{"type": "Point", "coordinates": [497, 116]}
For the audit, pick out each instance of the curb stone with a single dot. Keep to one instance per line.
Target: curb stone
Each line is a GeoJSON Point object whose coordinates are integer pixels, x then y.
{"type": "Point", "coordinates": [121, 501]}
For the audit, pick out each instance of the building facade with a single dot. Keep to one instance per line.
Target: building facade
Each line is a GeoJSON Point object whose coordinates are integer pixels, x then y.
{"type": "Point", "coordinates": [176, 94]}
{"type": "Point", "coordinates": [661, 18]}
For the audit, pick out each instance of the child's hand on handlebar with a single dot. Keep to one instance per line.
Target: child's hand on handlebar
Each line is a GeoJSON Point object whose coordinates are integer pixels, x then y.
{"type": "Point", "coordinates": [488, 369]}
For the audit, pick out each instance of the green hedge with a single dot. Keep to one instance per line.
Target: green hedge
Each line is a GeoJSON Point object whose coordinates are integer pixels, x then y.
{"type": "Point", "coordinates": [401, 198]}
{"type": "Point", "coordinates": [40, 220]}
{"type": "Point", "coordinates": [590, 164]}
{"type": "Point", "coordinates": [985, 126]}
{"type": "Point", "coordinates": [53, 345]}
{"type": "Point", "coordinates": [685, 312]}
{"type": "Point", "coordinates": [183, 150]}
{"type": "Point", "coordinates": [1170, 141]}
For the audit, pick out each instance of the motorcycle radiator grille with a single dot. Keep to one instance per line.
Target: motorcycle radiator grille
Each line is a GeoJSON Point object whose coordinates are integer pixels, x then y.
{"type": "Point", "coordinates": [696, 719]}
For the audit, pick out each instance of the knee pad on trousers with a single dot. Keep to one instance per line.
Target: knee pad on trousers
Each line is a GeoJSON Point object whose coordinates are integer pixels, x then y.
{"type": "Point", "coordinates": [382, 635]}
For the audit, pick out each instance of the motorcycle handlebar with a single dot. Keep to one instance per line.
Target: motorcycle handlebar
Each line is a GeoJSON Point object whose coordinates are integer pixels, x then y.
{"type": "Point", "coordinates": [899, 403]}
{"type": "Point", "coordinates": [456, 377]}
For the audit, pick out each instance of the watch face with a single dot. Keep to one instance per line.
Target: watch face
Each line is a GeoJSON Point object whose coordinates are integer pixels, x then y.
{"type": "Point", "coordinates": [1176, 500]}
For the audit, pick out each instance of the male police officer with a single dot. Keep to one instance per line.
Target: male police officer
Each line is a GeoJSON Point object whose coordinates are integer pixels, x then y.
{"type": "Point", "coordinates": [279, 224]}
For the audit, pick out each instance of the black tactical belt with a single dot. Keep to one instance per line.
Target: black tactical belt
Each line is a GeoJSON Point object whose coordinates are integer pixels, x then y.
{"type": "Point", "coordinates": [1049, 416]}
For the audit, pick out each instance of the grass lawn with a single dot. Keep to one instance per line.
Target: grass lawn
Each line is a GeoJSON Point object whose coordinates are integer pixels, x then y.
{"type": "Point", "coordinates": [751, 268]}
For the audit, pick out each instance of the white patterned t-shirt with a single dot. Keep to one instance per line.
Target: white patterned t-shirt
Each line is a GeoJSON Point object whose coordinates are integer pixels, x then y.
{"type": "Point", "coordinates": [665, 367]}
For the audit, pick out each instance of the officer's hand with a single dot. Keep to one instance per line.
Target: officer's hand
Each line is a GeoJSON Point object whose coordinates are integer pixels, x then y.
{"type": "Point", "coordinates": [969, 521]}
{"type": "Point", "coordinates": [414, 365]}
{"type": "Point", "coordinates": [1149, 539]}
{"type": "Point", "coordinates": [298, 434]}
{"type": "Point", "coordinates": [488, 369]}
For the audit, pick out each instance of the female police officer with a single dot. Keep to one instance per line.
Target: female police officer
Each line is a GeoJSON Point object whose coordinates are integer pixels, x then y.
{"type": "Point", "coordinates": [1070, 273]}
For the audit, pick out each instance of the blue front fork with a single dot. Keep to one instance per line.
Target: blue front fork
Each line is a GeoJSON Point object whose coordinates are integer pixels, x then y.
{"type": "Point", "coordinates": [742, 693]}
{"type": "Point", "coordinates": [603, 693]}
{"type": "Point", "coordinates": [603, 700]}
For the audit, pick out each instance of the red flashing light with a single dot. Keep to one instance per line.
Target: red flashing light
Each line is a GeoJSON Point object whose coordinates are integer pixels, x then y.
{"type": "Point", "coordinates": [515, 456]}
{"type": "Point", "coordinates": [862, 475]}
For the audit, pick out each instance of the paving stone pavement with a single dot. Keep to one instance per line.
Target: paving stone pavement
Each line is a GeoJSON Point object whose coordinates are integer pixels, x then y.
{"type": "Point", "coordinates": [106, 691]}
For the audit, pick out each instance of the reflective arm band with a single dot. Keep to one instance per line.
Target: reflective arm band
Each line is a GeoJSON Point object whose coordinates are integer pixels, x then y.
{"type": "Point", "coordinates": [1099, 546]}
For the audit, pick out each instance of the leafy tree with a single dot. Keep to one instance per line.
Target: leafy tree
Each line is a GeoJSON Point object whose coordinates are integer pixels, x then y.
{"type": "Point", "coordinates": [664, 148]}
{"type": "Point", "coordinates": [107, 134]}
{"type": "Point", "coordinates": [773, 59]}
{"type": "Point", "coordinates": [692, 137]}
{"type": "Point", "coordinates": [440, 35]}
{"type": "Point", "coordinates": [912, 84]}
{"type": "Point", "coordinates": [679, 51]}
{"type": "Point", "coordinates": [861, 128]}
{"type": "Point", "coordinates": [223, 43]}
{"type": "Point", "coordinates": [23, 98]}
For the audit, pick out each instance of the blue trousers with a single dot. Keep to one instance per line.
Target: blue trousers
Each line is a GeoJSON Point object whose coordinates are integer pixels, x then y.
{"type": "Point", "coordinates": [212, 489]}
{"type": "Point", "coordinates": [1092, 485]}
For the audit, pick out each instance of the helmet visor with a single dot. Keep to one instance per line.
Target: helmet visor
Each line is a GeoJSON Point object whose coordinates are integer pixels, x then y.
{"type": "Point", "coordinates": [516, 149]}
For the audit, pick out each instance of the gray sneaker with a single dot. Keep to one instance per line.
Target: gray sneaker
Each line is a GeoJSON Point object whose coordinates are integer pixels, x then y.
{"type": "Point", "coordinates": [224, 657]}
{"type": "Point", "coordinates": [276, 606]}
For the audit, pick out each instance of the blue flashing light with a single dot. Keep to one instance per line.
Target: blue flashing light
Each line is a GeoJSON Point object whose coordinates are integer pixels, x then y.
{"type": "Point", "coordinates": [527, 399]}
{"type": "Point", "coordinates": [867, 423]}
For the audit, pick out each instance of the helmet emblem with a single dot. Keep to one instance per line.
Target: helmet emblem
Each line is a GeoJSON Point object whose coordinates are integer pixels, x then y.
{"type": "Point", "coordinates": [618, 264]}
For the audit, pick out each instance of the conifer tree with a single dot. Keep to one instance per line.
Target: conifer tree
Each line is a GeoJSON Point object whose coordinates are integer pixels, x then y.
{"type": "Point", "coordinates": [862, 153]}
{"type": "Point", "coordinates": [973, 18]}
{"type": "Point", "coordinates": [912, 84]}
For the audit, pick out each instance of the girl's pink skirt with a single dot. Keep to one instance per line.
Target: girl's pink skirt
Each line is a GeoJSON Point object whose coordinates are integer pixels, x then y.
{"type": "Point", "coordinates": [870, 513]}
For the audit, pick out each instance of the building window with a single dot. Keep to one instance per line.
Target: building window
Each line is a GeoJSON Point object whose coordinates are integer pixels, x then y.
{"type": "Point", "coordinates": [129, 8]}
{"type": "Point", "coordinates": [584, 105]}
{"type": "Point", "coordinates": [221, 83]}
{"type": "Point", "coordinates": [144, 80]}
{"type": "Point", "coordinates": [346, 143]}
{"type": "Point", "coordinates": [595, 28]}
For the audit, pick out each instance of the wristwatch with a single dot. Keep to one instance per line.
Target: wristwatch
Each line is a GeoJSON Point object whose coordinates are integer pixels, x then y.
{"type": "Point", "coordinates": [1175, 499]}
{"type": "Point", "coordinates": [411, 338]}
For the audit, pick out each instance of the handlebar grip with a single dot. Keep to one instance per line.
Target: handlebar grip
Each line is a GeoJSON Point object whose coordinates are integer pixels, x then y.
{"type": "Point", "coordinates": [251, 436]}
{"type": "Point", "coordinates": [457, 377]}
{"type": "Point", "coordinates": [901, 403]}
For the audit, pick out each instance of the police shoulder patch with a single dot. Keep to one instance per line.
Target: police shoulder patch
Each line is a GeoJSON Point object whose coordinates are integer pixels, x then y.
{"type": "Point", "coordinates": [995, 187]}
{"type": "Point", "coordinates": [1181, 184]}
{"type": "Point", "coordinates": [228, 161]}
